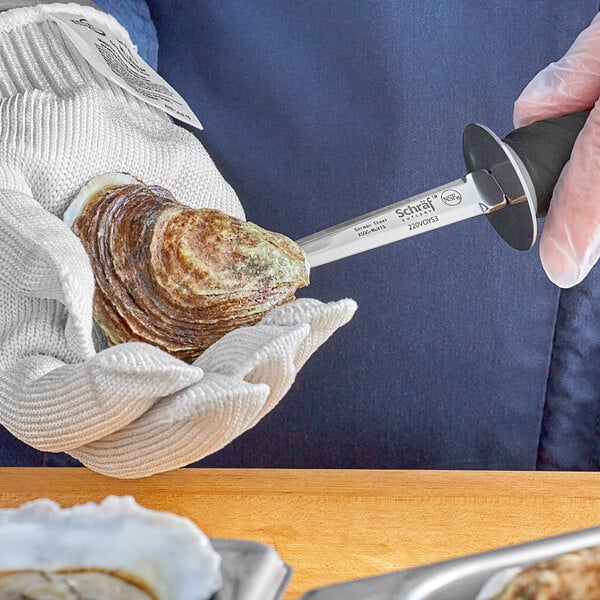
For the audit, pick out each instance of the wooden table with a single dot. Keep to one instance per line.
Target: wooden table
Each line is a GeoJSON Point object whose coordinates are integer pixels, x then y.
{"type": "Point", "coordinates": [334, 526]}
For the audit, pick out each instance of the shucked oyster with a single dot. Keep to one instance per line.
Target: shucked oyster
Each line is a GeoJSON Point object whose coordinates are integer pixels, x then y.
{"type": "Point", "coordinates": [571, 576]}
{"type": "Point", "coordinates": [115, 550]}
{"type": "Point", "coordinates": [173, 276]}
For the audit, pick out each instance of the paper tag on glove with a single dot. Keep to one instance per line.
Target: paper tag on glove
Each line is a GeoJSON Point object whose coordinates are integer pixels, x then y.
{"type": "Point", "coordinates": [112, 57]}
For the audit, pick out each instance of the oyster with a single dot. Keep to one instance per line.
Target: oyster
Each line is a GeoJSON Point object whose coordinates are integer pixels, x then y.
{"type": "Point", "coordinates": [571, 576]}
{"type": "Point", "coordinates": [173, 276]}
{"type": "Point", "coordinates": [115, 550]}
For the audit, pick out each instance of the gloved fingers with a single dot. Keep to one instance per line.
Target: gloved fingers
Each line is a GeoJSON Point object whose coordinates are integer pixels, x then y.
{"type": "Point", "coordinates": [161, 153]}
{"type": "Point", "coordinates": [274, 350]}
{"type": "Point", "coordinates": [240, 351]}
{"type": "Point", "coordinates": [56, 407]}
{"type": "Point", "coordinates": [42, 258]}
{"type": "Point", "coordinates": [570, 242]}
{"type": "Point", "coordinates": [568, 85]}
{"type": "Point", "coordinates": [324, 319]}
{"type": "Point", "coordinates": [193, 178]}
{"type": "Point", "coordinates": [178, 430]}
{"type": "Point", "coordinates": [149, 148]}
{"type": "Point", "coordinates": [261, 354]}
{"type": "Point", "coordinates": [246, 374]}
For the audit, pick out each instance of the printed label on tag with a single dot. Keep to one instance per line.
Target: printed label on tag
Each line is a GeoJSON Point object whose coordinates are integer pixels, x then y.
{"type": "Point", "coordinates": [106, 52]}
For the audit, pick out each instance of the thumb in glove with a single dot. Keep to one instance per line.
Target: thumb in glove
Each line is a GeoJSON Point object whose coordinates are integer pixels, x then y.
{"type": "Point", "coordinates": [246, 373]}
{"type": "Point", "coordinates": [570, 242]}
{"type": "Point", "coordinates": [56, 392]}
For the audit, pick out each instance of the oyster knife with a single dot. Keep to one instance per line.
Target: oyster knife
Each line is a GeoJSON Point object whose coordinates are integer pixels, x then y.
{"type": "Point", "coordinates": [510, 181]}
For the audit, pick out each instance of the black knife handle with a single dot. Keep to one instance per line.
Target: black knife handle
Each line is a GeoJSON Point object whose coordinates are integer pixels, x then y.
{"type": "Point", "coordinates": [544, 147]}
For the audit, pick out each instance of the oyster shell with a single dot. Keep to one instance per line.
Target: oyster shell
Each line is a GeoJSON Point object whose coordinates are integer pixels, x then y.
{"type": "Point", "coordinates": [570, 576]}
{"type": "Point", "coordinates": [173, 276]}
{"type": "Point", "coordinates": [115, 550]}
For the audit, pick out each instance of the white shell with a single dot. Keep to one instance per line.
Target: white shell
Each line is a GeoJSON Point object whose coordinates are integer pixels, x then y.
{"type": "Point", "coordinates": [167, 552]}
{"type": "Point", "coordinates": [91, 188]}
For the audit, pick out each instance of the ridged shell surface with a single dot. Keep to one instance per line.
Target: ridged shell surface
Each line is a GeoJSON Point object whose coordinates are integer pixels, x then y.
{"type": "Point", "coordinates": [177, 277]}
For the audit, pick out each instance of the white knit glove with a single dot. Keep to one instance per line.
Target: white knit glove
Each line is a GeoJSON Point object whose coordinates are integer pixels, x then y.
{"type": "Point", "coordinates": [130, 410]}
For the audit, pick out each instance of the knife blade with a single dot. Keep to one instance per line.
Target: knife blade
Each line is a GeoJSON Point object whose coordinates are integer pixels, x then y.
{"type": "Point", "coordinates": [509, 180]}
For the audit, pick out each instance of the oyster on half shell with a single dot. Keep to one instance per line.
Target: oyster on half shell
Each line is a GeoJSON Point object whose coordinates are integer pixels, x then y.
{"type": "Point", "coordinates": [173, 276]}
{"type": "Point", "coordinates": [573, 575]}
{"type": "Point", "coordinates": [115, 550]}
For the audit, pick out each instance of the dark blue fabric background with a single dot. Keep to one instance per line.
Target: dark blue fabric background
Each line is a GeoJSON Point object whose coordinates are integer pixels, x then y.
{"type": "Point", "coordinates": [320, 111]}
{"type": "Point", "coordinates": [570, 438]}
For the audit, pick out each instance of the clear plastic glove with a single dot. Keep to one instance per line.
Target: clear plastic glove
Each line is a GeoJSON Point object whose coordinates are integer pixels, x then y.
{"type": "Point", "coordinates": [570, 242]}
{"type": "Point", "coordinates": [130, 410]}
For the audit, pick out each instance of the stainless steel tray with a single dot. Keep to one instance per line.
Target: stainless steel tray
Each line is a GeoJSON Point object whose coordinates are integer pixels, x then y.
{"type": "Point", "coordinates": [457, 579]}
{"type": "Point", "coordinates": [251, 571]}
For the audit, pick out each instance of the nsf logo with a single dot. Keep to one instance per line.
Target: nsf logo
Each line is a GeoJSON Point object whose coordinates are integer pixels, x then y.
{"type": "Point", "coordinates": [451, 197]}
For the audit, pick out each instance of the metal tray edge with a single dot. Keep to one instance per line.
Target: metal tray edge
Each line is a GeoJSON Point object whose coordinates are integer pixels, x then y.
{"type": "Point", "coordinates": [442, 580]}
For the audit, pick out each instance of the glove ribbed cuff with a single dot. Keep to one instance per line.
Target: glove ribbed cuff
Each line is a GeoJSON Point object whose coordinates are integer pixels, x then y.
{"type": "Point", "coordinates": [10, 4]}
{"type": "Point", "coordinates": [36, 55]}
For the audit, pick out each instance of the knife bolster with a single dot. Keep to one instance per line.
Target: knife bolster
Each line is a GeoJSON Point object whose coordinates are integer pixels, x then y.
{"type": "Point", "coordinates": [516, 224]}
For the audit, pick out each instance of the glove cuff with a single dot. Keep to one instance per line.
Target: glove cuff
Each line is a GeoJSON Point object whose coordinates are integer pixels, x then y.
{"type": "Point", "coordinates": [35, 54]}
{"type": "Point", "coordinates": [10, 4]}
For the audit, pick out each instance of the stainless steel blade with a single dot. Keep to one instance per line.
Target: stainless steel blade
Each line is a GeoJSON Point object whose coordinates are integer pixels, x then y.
{"type": "Point", "coordinates": [477, 193]}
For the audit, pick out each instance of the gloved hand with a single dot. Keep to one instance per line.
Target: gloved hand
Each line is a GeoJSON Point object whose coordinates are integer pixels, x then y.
{"type": "Point", "coordinates": [570, 242]}
{"type": "Point", "coordinates": [130, 410]}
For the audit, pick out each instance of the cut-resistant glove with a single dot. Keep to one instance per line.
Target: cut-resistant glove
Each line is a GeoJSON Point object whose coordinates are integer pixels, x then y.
{"type": "Point", "coordinates": [130, 410]}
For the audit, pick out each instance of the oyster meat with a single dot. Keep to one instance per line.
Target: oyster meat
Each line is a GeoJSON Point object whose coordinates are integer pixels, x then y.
{"type": "Point", "coordinates": [571, 576]}
{"type": "Point", "coordinates": [173, 276]}
{"type": "Point", "coordinates": [115, 550]}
